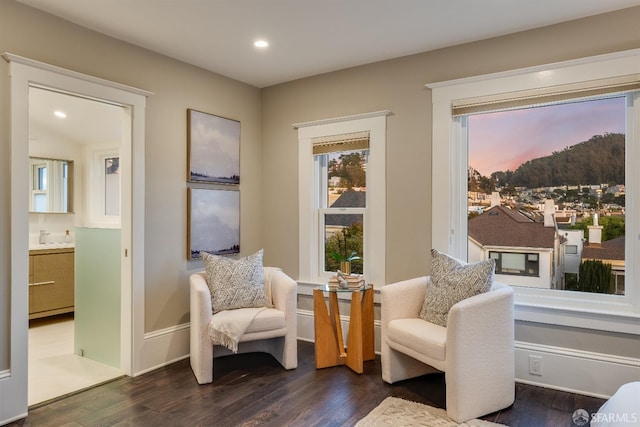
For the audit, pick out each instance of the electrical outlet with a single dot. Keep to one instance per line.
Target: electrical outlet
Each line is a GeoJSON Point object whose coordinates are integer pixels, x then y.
{"type": "Point", "coordinates": [535, 365]}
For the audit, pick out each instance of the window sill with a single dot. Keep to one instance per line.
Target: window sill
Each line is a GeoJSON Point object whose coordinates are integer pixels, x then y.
{"type": "Point", "coordinates": [626, 322]}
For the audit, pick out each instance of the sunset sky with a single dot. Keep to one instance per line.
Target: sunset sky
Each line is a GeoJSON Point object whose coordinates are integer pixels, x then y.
{"type": "Point", "coordinates": [504, 140]}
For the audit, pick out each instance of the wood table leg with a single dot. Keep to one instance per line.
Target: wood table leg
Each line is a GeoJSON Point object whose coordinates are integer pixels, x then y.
{"type": "Point", "coordinates": [336, 323]}
{"type": "Point", "coordinates": [329, 339]}
{"type": "Point", "coordinates": [368, 333]}
{"type": "Point", "coordinates": [354, 346]}
{"type": "Point", "coordinates": [329, 350]}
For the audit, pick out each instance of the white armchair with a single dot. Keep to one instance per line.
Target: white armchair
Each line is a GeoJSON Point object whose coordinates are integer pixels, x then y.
{"type": "Point", "coordinates": [273, 330]}
{"type": "Point", "coordinates": [475, 350]}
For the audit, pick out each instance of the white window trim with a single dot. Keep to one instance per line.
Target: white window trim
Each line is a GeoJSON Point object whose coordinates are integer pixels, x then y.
{"type": "Point", "coordinates": [449, 173]}
{"type": "Point", "coordinates": [309, 221]}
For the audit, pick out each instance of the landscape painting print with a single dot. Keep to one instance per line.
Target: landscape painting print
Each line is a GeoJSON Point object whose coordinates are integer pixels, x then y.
{"type": "Point", "coordinates": [214, 148]}
{"type": "Point", "coordinates": [214, 222]}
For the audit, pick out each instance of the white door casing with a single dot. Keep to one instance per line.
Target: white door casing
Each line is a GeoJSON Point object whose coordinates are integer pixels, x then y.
{"type": "Point", "coordinates": [23, 73]}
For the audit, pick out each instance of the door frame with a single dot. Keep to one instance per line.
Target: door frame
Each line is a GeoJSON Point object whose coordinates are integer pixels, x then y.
{"type": "Point", "coordinates": [25, 72]}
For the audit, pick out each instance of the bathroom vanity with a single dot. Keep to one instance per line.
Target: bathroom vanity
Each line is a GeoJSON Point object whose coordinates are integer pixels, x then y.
{"type": "Point", "coordinates": [51, 280]}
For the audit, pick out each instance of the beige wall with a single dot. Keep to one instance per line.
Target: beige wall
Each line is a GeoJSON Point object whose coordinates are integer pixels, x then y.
{"type": "Point", "coordinates": [177, 86]}
{"type": "Point", "coordinates": [398, 85]}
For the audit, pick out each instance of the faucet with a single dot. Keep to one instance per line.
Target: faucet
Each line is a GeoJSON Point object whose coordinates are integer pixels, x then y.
{"type": "Point", "coordinates": [43, 237]}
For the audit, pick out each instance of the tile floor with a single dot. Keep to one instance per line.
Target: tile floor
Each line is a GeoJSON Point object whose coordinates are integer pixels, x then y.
{"type": "Point", "coordinates": [53, 368]}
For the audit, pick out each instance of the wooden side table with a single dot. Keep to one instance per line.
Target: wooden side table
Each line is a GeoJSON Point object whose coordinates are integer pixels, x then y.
{"type": "Point", "coordinates": [329, 341]}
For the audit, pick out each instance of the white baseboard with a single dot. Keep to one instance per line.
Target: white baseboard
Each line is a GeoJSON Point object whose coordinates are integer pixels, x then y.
{"type": "Point", "coordinates": [163, 347]}
{"type": "Point", "coordinates": [576, 371]}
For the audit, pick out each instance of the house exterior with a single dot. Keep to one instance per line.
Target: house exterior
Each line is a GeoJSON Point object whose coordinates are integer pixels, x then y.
{"type": "Point", "coordinates": [527, 253]}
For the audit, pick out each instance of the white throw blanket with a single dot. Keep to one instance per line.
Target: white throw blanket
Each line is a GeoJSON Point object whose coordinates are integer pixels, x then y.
{"type": "Point", "coordinates": [228, 326]}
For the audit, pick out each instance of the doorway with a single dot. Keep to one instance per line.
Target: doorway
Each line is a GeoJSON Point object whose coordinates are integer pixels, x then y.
{"type": "Point", "coordinates": [74, 242]}
{"type": "Point", "coordinates": [24, 73]}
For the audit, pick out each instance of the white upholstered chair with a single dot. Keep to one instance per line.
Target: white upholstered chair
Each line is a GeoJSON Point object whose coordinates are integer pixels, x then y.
{"type": "Point", "coordinates": [475, 350]}
{"type": "Point", "coordinates": [273, 330]}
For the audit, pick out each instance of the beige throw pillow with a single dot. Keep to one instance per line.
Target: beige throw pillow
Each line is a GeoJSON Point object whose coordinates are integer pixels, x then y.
{"type": "Point", "coordinates": [451, 282]}
{"type": "Point", "coordinates": [235, 283]}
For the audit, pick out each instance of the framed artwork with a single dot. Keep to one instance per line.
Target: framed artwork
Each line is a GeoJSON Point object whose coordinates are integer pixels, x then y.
{"type": "Point", "coordinates": [213, 222]}
{"type": "Point", "coordinates": [213, 148]}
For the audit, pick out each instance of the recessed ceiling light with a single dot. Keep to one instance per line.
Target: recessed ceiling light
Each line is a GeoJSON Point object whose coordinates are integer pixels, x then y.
{"type": "Point", "coordinates": [261, 43]}
{"type": "Point", "coordinates": [60, 114]}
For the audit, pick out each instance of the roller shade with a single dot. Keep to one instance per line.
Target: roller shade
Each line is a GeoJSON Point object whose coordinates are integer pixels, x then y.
{"type": "Point", "coordinates": [344, 142]}
{"type": "Point", "coordinates": [519, 99]}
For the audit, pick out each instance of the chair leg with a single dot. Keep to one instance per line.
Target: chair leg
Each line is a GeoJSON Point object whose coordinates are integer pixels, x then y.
{"type": "Point", "coordinates": [202, 363]}
{"type": "Point", "coordinates": [397, 366]}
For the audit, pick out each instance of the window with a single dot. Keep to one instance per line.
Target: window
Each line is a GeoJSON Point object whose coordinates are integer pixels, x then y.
{"type": "Point", "coordinates": [515, 263]}
{"type": "Point", "coordinates": [591, 78]}
{"type": "Point", "coordinates": [39, 189]}
{"type": "Point", "coordinates": [342, 207]}
{"type": "Point", "coordinates": [342, 196]}
{"type": "Point", "coordinates": [112, 186]}
{"type": "Point", "coordinates": [566, 171]}
{"type": "Point", "coordinates": [105, 193]}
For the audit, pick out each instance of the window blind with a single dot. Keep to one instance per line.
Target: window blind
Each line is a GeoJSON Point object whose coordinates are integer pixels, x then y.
{"type": "Point", "coordinates": [546, 95]}
{"type": "Point", "coordinates": [343, 142]}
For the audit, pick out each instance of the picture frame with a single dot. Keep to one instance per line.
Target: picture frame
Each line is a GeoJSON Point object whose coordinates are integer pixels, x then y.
{"type": "Point", "coordinates": [213, 222]}
{"type": "Point", "coordinates": [213, 148]}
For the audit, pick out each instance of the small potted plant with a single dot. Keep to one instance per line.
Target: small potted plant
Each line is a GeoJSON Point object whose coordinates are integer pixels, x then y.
{"type": "Point", "coordinates": [345, 261]}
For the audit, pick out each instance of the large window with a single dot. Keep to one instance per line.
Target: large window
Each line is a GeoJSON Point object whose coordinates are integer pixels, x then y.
{"type": "Point", "coordinates": [611, 78]}
{"type": "Point", "coordinates": [342, 196]}
{"type": "Point", "coordinates": [566, 172]}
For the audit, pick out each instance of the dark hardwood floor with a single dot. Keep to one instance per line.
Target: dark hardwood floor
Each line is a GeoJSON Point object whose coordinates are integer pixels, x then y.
{"type": "Point", "coordinates": [253, 389]}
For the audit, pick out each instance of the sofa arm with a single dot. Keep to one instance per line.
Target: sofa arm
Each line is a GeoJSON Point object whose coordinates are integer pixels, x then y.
{"type": "Point", "coordinates": [283, 290]}
{"type": "Point", "coordinates": [402, 300]}
{"type": "Point", "coordinates": [200, 301]}
{"type": "Point", "coordinates": [201, 350]}
{"type": "Point", "coordinates": [480, 315]}
{"type": "Point", "coordinates": [480, 354]}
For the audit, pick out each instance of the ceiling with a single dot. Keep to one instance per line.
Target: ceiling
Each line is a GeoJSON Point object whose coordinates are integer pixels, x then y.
{"type": "Point", "coordinates": [87, 122]}
{"type": "Point", "coordinates": [309, 37]}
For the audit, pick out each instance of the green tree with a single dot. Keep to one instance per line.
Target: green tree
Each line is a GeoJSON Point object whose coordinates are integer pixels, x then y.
{"type": "Point", "coordinates": [612, 227]}
{"type": "Point", "coordinates": [595, 276]}
{"type": "Point", "coordinates": [350, 168]}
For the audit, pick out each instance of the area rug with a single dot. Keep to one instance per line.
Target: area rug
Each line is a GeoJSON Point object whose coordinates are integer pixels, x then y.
{"type": "Point", "coordinates": [399, 412]}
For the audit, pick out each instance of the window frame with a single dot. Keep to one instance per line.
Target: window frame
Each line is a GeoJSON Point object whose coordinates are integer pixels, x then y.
{"type": "Point", "coordinates": [449, 171]}
{"type": "Point", "coordinates": [311, 258]}
{"type": "Point", "coordinates": [97, 194]}
{"type": "Point", "coordinates": [36, 189]}
{"type": "Point", "coordinates": [323, 208]}
{"type": "Point", "coordinates": [528, 263]}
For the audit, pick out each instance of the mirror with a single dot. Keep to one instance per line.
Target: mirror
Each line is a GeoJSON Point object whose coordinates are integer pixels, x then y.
{"type": "Point", "coordinates": [51, 185]}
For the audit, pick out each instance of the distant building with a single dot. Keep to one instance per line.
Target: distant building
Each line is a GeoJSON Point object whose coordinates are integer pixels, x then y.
{"type": "Point", "coordinates": [334, 181]}
{"type": "Point", "coordinates": [609, 252]}
{"type": "Point", "coordinates": [527, 252]}
{"type": "Point", "coordinates": [348, 199]}
{"type": "Point", "coordinates": [536, 247]}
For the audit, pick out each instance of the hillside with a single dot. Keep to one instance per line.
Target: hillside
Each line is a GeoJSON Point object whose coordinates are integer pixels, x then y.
{"type": "Point", "coordinates": [598, 160]}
